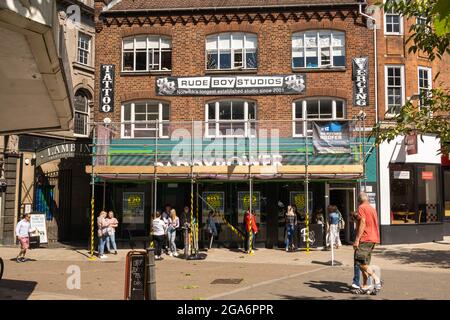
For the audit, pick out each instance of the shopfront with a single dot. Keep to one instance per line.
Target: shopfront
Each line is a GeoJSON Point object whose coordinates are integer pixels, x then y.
{"type": "Point", "coordinates": [413, 205]}
{"type": "Point", "coordinates": [446, 192]}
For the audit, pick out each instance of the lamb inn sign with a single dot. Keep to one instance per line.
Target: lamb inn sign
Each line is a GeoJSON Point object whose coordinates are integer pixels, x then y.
{"type": "Point", "coordinates": [61, 151]}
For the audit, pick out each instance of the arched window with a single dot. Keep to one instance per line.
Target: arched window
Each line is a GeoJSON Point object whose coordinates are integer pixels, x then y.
{"type": "Point", "coordinates": [147, 53]}
{"type": "Point", "coordinates": [316, 109]}
{"type": "Point", "coordinates": [231, 50]}
{"type": "Point", "coordinates": [145, 119]}
{"type": "Point", "coordinates": [230, 118]}
{"type": "Point", "coordinates": [318, 49]}
{"type": "Point", "coordinates": [81, 116]}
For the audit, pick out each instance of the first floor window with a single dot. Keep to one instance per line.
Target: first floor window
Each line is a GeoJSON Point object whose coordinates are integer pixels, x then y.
{"type": "Point", "coordinates": [392, 22]}
{"type": "Point", "coordinates": [230, 118]}
{"type": "Point", "coordinates": [318, 48]}
{"type": "Point", "coordinates": [316, 109]}
{"type": "Point", "coordinates": [81, 116]}
{"type": "Point", "coordinates": [394, 89]}
{"type": "Point", "coordinates": [425, 84]}
{"type": "Point", "coordinates": [145, 119]}
{"type": "Point", "coordinates": [415, 193]}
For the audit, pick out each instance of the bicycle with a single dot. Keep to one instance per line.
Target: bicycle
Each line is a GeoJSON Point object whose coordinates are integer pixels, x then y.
{"type": "Point", "coordinates": [2, 266]}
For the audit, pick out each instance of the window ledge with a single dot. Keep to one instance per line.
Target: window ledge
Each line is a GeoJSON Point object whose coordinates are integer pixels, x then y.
{"type": "Point", "coordinates": [144, 73]}
{"type": "Point", "coordinates": [83, 67]}
{"type": "Point", "coordinates": [331, 69]}
{"type": "Point", "coordinates": [232, 71]}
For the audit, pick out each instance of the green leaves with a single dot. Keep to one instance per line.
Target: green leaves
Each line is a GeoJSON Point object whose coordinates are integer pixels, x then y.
{"type": "Point", "coordinates": [441, 21]}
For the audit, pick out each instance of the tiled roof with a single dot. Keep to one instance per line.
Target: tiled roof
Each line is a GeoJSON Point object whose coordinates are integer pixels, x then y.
{"type": "Point", "coordinates": [122, 5]}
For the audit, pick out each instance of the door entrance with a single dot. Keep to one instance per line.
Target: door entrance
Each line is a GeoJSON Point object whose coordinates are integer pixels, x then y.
{"type": "Point", "coordinates": [344, 199]}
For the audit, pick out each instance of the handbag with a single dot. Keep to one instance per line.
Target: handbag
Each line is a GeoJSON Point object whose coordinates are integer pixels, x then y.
{"type": "Point", "coordinates": [341, 222]}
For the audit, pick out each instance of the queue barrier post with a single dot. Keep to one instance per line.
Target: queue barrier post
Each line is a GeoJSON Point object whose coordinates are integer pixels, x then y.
{"type": "Point", "coordinates": [150, 291]}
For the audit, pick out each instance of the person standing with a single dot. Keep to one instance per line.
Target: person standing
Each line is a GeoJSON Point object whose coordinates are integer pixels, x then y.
{"type": "Point", "coordinates": [291, 222]}
{"type": "Point", "coordinates": [165, 217]}
{"type": "Point", "coordinates": [356, 282]}
{"type": "Point", "coordinates": [367, 236]}
{"type": "Point", "coordinates": [158, 232]}
{"type": "Point", "coordinates": [333, 238]}
{"type": "Point", "coordinates": [102, 233]}
{"type": "Point", "coordinates": [251, 229]}
{"type": "Point", "coordinates": [173, 225]}
{"type": "Point", "coordinates": [111, 236]}
{"type": "Point", "coordinates": [23, 230]}
{"type": "Point", "coordinates": [211, 227]}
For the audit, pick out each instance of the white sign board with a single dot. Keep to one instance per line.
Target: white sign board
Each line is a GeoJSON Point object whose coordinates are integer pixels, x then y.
{"type": "Point", "coordinates": [38, 222]}
{"type": "Point", "coordinates": [405, 175]}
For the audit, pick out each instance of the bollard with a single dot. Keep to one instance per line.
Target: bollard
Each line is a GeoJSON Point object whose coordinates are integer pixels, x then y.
{"type": "Point", "coordinates": [150, 291]}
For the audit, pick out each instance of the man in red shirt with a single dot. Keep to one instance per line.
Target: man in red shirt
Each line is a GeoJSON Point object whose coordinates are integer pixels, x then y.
{"type": "Point", "coordinates": [251, 230]}
{"type": "Point", "coordinates": [366, 238]}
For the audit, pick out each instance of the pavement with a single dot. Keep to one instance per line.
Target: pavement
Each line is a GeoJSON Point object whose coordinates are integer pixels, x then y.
{"type": "Point", "coordinates": [420, 271]}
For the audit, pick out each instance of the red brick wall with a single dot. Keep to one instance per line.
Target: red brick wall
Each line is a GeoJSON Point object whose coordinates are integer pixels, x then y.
{"type": "Point", "coordinates": [274, 57]}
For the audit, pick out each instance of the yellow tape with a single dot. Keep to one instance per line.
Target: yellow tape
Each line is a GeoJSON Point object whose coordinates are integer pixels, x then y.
{"type": "Point", "coordinates": [92, 228]}
{"type": "Point", "coordinates": [232, 227]}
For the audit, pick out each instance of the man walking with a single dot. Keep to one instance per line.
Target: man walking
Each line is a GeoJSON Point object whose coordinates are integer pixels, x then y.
{"type": "Point", "coordinates": [367, 237]}
{"type": "Point", "coordinates": [23, 229]}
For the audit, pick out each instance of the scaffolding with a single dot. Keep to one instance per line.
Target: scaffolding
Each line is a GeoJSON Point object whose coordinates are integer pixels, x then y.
{"type": "Point", "coordinates": [201, 151]}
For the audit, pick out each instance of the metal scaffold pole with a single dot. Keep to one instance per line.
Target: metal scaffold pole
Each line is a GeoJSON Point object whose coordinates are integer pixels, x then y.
{"type": "Point", "coordinates": [91, 255]}
{"type": "Point", "coordinates": [307, 186]}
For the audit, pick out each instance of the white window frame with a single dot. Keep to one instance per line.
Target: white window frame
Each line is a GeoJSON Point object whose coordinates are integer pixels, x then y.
{"type": "Point", "coordinates": [400, 22]}
{"type": "Point", "coordinates": [402, 75]}
{"type": "Point", "coordinates": [305, 109]}
{"type": "Point", "coordinates": [133, 122]}
{"type": "Point", "coordinates": [86, 114]}
{"type": "Point", "coordinates": [147, 50]}
{"type": "Point", "coordinates": [232, 50]}
{"type": "Point", "coordinates": [429, 72]}
{"type": "Point", "coordinates": [87, 51]}
{"type": "Point", "coordinates": [216, 121]}
{"type": "Point", "coordinates": [318, 32]}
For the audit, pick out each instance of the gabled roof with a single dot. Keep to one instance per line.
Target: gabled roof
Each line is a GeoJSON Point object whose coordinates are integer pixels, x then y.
{"type": "Point", "coordinates": [167, 5]}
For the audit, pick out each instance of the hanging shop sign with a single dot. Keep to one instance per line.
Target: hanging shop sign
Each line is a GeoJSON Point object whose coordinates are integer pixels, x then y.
{"type": "Point", "coordinates": [427, 175]}
{"type": "Point", "coordinates": [331, 137]}
{"type": "Point", "coordinates": [62, 150]}
{"type": "Point", "coordinates": [360, 77]}
{"type": "Point", "coordinates": [107, 87]}
{"type": "Point", "coordinates": [133, 207]}
{"type": "Point", "coordinates": [38, 223]}
{"type": "Point", "coordinates": [411, 143]}
{"type": "Point", "coordinates": [231, 85]}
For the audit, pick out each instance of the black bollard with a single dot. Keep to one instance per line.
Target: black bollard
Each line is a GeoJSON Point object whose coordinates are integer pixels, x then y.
{"type": "Point", "coordinates": [150, 291]}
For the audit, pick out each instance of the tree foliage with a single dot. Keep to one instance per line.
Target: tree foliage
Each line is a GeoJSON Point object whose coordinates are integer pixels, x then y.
{"type": "Point", "coordinates": [432, 38]}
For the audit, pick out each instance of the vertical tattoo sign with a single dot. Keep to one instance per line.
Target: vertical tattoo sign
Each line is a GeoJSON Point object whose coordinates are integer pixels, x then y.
{"type": "Point", "coordinates": [107, 87]}
{"type": "Point", "coordinates": [360, 81]}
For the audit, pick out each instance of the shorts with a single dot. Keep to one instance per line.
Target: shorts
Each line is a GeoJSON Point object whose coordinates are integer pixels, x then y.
{"type": "Point", "coordinates": [363, 253]}
{"type": "Point", "coordinates": [24, 242]}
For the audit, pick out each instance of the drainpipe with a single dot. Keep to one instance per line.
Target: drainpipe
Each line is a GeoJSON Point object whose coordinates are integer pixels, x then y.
{"type": "Point", "coordinates": [378, 200]}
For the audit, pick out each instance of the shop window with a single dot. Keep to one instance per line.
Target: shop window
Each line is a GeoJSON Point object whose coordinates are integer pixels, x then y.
{"type": "Point", "coordinates": [316, 49]}
{"type": "Point", "coordinates": [145, 119]}
{"type": "Point", "coordinates": [147, 53]}
{"type": "Point", "coordinates": [316, 109]}
{"type": "Point", "coordinates": [395, 89]}
{"type": "Point", "coordinates": [234, 50]}
{"type": "Point", "coordinates": [415, 195]}
{"type": "Point", "coordinates": [81, 114]}
{"type": "Point", "coordinates": [425, 84]}
{"type": "Point", "coordinates": [447, 192]}
{"type": "Point", "coordinates": [230, 118]}
{"type": "Point", "coordinates": [393, 22]}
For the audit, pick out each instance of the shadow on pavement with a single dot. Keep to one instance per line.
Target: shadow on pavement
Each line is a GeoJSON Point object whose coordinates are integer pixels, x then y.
{"type": "Point", "coordinates": [327, 263]}
{"type": "Point", "coordinates": [329, 286]}
{"type": "Point", "coordinates": [424, 257]}
{"type": "Point", "coordinates": [16, 289]}
{"type": "Point", "coordinates": [346, 297]}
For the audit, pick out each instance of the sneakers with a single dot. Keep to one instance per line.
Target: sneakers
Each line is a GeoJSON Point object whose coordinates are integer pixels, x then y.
{"type": "Point", "coordinates": [103, 256]}
{"type": "Point", "coordinates": [175, 254]}
{"type": "Point", "coordinates": [355, 286]}
{"type": "Point", "coordinates": [20, 259]}
{"type": "Point", "coordinates": [287, 249]}
{"type": "Point", "coordinates": [115, 252]}
{"type": "Point", "coordinates": [171, 254]}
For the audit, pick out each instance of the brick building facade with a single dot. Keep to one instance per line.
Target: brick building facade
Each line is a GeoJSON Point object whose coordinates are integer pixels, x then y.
{"type": "Point", "coordinates": [279, 39]}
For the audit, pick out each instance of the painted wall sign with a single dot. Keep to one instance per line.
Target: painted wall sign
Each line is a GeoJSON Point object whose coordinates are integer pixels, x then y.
{"type": "Point", "coordinates": [411, 143]}
{"type": "Point", "coordinates": [360, 77]}
{"type": "Point", "coordinates": [231, 85]}
{"type": "Point", "coordinates": [107, 87]}
{"type": "Point", "coordinates": [61, 151]}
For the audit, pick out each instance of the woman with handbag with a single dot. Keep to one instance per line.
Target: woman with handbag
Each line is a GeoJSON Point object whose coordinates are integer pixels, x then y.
{"type": "Point", "coordinates": [102, 233]}
{"type": "Point", "coordinates": [111, 236]}
{"type": "Point", "coordinates": [173, 225]}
